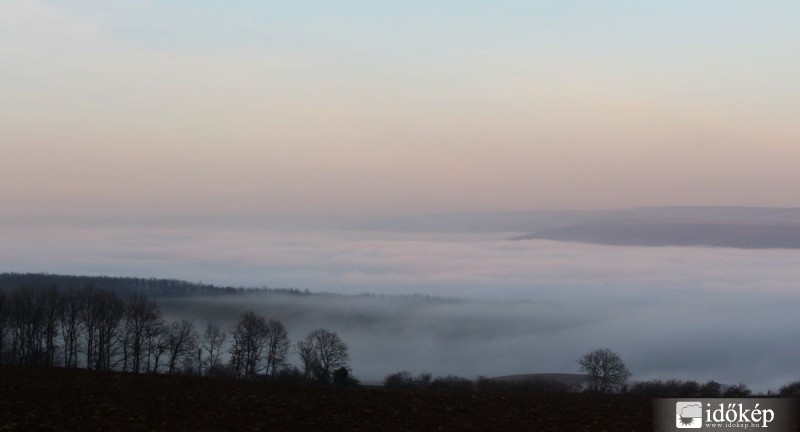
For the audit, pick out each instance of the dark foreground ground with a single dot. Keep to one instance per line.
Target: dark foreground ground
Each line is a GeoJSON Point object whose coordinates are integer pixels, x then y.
{"type": "Point", "coordinates": [57, 399]}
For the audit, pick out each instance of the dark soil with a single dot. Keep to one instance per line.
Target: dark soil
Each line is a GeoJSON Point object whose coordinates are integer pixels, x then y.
{"type": "Point", "coordinates": [57, 399]}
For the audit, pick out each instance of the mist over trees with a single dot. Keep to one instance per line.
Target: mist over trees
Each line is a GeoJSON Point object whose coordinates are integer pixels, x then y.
{"type": "Point", "coordinates": [100, 330]}
{"type": "Point", "coordinates": [93, 328]}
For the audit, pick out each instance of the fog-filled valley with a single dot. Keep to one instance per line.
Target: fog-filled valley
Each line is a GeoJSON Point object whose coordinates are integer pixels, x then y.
{"type": "Point", "coordinates": [425, 215]}
{"type": "Point", "coordinates": [742, 339]}
{"type": "Point", "coordinates": [487, 305]}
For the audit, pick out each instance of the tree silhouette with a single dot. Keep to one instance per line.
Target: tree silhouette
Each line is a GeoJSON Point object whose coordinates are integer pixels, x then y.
{"type": "Point", "coordinates": [249, 341]}
{"type": "Point", "coordinates": [3, 324]}
{"type": "Point", "coordinates": [141, 315]}
{"type": "Point", "coordinates": [181, 343]}
{"type": "Point", "coordinates": [71, 325]}
{"type": "Point", "coordinates": [605, 369]}
{"type": "Point", "coordinates": [329, 352]}
{"type": "Point", "coordinates": [305, 350]}
{"type": "Point", "coordinates": [213, 340]}
{"type": "Point", "coordinates": [278, 344]}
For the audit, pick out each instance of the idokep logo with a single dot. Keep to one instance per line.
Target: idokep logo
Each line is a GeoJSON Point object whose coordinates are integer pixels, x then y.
{"type": "Point", "coordinates": [688, 415]}
{"type": "Point", "coordinates": [763, 413]}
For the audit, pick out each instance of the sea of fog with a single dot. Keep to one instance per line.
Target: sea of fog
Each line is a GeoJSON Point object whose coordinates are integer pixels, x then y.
{"type": "Point", "coordinates": [528, 306]}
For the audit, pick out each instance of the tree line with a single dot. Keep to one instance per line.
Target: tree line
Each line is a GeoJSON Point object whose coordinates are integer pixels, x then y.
{"type": "Point", "coordinates": [604, 372]}
{"type": "Point", "coordinates": [153, 287]}
{"type": "Point", "coordinates": [125, 286]}
{"type": "Point", "coordinates": [98, 329]}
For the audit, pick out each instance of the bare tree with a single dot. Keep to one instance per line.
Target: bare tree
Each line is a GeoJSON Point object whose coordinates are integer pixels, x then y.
{"type": "Point", "coordinates": [158, 345]}
{"type": "Point", "coordinates": [90, 320]}
{"type": "Point", "coordinates": [26, 326]}
{"type": "Point", "coordinates": [100, 313]}
{"type": "Point", "coordinates": [305, 350]}
{"type": "Point", "coordinates": [141, 315]}
{"type": "Point", "coordinates": [330, 353]}
{"type": "Point", "coordinates": [51, 304]}
{"type": "Point", "coordinates": [181, 343]}
{"type": "Point", "coordinates": [278, 344]}
{"type": "Point", "coordinates": [155, 344]}
{"type": "Point", "coordinates": [213, 340]}
{"type": "Point", "coordinates": [106, 311]}
{"type": "Point", "coordinates": [606, 370]}
{"type": "Point", "coordinates": [249, 340]}
{"type": "Point", "coordinates": [3, 324]}
{"type": "Point", "coordinates": [71, 325]}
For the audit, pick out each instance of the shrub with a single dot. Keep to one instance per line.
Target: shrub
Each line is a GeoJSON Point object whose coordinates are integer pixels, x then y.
{"type": "Point", "coordinates": [711, 389]}
{"type": "Point", "coordinates": [343, 378]}
{"type": "Point", "coordinates": [404, 380]}
{"type": "Point", "coordinates": [791, 389]}
{"type": "Point", "coordinates": [666, 389]}
{"type": "Point", "coordinates": [289, 375]}
{"type": "Point", "coordinates": [736, 391]}
{"type": "Point", "coordinates": [452, 383]}
{"type": "Point", "coordinates": [221, 371]}
{"type": "Point", "coordinates": [533, 385]}
{"type": "Point", "coordinates": [399, 380]}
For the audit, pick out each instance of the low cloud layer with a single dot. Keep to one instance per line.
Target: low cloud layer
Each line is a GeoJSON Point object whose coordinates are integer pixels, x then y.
{"type": "Point", "coordinates": [535, 306]}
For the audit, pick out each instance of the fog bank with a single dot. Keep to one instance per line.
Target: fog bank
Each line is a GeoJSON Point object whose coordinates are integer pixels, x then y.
{"type": "Point", "coordinates": [701, 313]}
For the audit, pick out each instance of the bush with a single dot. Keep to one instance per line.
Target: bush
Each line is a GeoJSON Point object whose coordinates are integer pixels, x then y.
{"type": "Point", "coordinates": [533, 385]}
{"type": "Point", "coordinates": [736, 391]}
{"type": "Point", "coordinates": [666, 389]}
{"type": "Point", "coordinates": [404, 380]}
{"type": "Point", "coordinates": [681, 389]}
{"type": "Point", "coordinates": [423, 380]}
{"type": "Point", "coordinates": [399, 380]}
{"type": "Point", "coordinates": [342, 378]}
{"type": "Point", "coordinates": [711, 389]}
{"type": "Point", "coordinates": [221, 371]}
{"type": "Point", "coordinates": [289, 375]}
{"type": "Point", "coordinates": [791, 389]}
{"type": "Point", "coordinates": [452, 383]}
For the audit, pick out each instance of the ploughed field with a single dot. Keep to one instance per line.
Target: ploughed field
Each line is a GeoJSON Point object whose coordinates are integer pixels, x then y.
{"type": "Point", "coordinates": [60, 399]}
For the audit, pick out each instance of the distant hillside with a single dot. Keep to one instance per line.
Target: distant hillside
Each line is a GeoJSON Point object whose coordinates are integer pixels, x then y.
{"type": "Point", "coordinates": [735, 227]}
{"type": "Point", "coordinates": [733, 235]}
{"type": "Point", "coordinates": [541, 220]}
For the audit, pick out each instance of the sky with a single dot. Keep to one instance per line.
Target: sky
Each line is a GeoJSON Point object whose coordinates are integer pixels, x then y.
{"type": "Point", "coordinates": [287, 108]}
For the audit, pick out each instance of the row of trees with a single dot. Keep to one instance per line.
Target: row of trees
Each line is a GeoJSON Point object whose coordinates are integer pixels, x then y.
{"type": "Point", "coordinates": [404, 380]}
{"type": "Point", "coordinates": [125, 286]}
{"type": "Point", "coordinates": [97, 329]}
{"type": "Point", "coordinates": [686, 389]}
{"type": "Point", "coordinates": [604, 372]}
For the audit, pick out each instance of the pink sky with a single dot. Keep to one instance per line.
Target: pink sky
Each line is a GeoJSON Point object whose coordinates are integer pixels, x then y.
{"type": "Point", "coordinates": [96, 121]}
